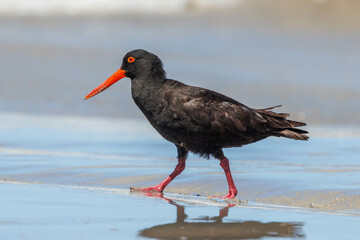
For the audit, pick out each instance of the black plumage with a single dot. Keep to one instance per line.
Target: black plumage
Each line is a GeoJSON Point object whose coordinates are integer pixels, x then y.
{"type": "Point", "coordinates": [197, 119]}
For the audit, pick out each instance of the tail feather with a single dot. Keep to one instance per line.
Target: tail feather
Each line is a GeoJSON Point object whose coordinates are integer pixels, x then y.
{"type": "Point", "coordinates": [281, 126]}
{"type": "Point", "coordinates": [299, 131]}
{"type": "Point", "coordinates": [290, 133]}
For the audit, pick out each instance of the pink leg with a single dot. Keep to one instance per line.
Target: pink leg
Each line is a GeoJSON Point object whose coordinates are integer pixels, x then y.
{"type": "Point", "coordinates": [224, 163]}
{"type": "Point", "coordinates": [160, 187]}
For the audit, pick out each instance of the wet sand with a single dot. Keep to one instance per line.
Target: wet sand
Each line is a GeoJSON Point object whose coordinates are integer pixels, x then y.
{"type": "Point", "coordinates": [72, 175]}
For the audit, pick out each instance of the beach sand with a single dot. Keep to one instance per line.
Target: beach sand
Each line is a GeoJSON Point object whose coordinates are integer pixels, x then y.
{"type": "Point", "coordinates": [69, 177]}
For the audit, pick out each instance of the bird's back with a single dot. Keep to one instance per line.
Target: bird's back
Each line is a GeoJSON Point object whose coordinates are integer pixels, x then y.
{"type": "Point", "coordinates": [203, 121]}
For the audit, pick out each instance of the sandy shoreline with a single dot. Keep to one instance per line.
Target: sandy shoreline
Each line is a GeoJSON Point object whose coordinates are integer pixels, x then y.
{"type": "Point", "coordinates": [122, 153]}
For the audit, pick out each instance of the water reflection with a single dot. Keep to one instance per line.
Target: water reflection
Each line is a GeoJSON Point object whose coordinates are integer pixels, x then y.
{"type": "Point", "coordinates": [214, 228]}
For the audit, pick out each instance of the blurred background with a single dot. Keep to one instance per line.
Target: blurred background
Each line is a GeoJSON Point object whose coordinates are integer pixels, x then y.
{"type": "Point", "coordinates": [303, 54]}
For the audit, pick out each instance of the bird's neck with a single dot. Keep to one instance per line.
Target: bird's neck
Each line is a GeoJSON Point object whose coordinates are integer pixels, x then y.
{"type": "Point", "coordinates": [146, 88]}
{"type": "Point", "coordinates": [147, 82]}
{"type": "Point", "coordinates": [147, 94]}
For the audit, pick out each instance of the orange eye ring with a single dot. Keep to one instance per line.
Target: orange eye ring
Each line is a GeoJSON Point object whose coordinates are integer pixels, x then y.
{"type": "Point", "coordinates": [131, 59]}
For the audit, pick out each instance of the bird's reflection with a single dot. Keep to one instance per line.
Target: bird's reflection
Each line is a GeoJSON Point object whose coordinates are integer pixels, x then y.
{"type": "Point", "coordinates": [214, 228]}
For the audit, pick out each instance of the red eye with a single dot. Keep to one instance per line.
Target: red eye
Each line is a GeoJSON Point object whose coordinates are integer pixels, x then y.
{"type": "Point", "coordinates": [131, 60]}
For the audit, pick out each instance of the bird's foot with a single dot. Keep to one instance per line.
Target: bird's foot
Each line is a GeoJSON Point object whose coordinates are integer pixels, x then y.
{"type": "Point", "coordinates": [155, 189]}
{"type": "Point", "coordinates": [230, 195]}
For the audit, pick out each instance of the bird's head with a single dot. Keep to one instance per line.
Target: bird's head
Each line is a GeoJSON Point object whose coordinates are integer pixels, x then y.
{"type": "Point", "coordinates": [137, 63]}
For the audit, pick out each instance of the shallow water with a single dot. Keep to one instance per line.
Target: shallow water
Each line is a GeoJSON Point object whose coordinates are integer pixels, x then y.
{"type": "Point", "coordinates": [70, 177]}
{"type": "Point", "coordinates": [110, 152]}
{"type": "Point", "coordinates": [93, 213]}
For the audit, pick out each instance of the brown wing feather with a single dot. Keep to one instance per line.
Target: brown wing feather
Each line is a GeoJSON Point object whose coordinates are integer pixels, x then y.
{"type": "Point", "coordinates": [203, 111]}
{"type": "Point", "coordinates": [213, 112]}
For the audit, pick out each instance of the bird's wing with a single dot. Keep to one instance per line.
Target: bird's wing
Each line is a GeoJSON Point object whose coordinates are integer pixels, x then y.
{"type": "Point", "coordinates": [198, 109]}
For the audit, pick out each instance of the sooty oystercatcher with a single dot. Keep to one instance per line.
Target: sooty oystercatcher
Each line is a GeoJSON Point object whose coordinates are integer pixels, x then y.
{"type": "Point", "coordinates": [196, 119]}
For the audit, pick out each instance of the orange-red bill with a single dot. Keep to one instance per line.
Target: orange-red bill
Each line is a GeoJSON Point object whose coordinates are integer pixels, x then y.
{"type": "Point", "coordinates": [119, 74]}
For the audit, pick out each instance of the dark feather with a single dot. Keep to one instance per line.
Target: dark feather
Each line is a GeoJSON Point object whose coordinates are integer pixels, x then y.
{"type": "Point", "coordinates": [204, 121]}
{"type": "Point", "coordinates": [198, 119]}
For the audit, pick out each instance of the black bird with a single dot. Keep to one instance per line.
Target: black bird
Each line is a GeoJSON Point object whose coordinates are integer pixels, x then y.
{"type": "Point", "coordinates": [196, 119]}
